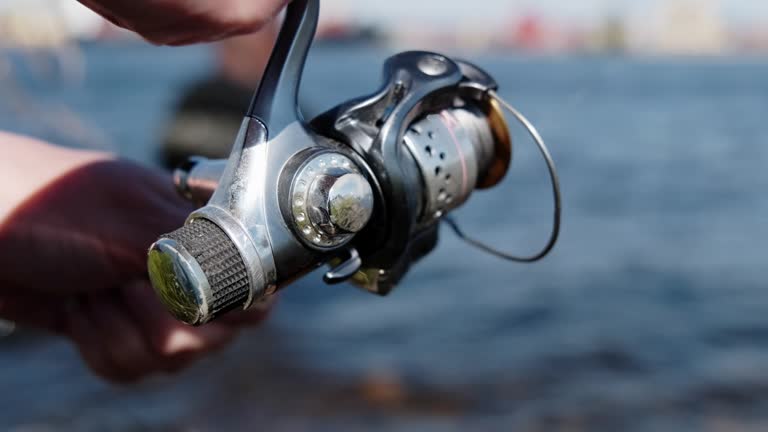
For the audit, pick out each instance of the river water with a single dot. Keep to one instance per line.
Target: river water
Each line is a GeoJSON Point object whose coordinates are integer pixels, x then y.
{"type": "Point", "coordinates": [652, 314]}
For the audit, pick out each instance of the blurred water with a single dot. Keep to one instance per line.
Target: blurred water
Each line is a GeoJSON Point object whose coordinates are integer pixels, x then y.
{"type": "Point", "coordinates": [650, 315]}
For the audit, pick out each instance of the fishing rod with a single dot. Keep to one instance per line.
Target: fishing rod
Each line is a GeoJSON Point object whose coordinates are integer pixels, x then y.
{"type": "Point", "coordinates": [361, 188]}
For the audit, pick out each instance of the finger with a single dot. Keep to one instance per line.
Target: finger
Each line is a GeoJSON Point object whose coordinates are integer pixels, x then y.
{"type": "Point", "coordinates": [121, 340]}
{"type": "Point", "coordinates": [168, 337]}
{"type": "Point", "coordinates": [256, 315]}
{"type": "Point", "coordinates": [82, 331]}
{"type": "Point", "coordinates": [38, 311]}
{"type": "Point", "coordinates": [214, 22]}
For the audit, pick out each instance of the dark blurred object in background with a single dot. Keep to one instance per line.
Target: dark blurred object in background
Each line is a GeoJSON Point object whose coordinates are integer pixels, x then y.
{"type": "Point", "coordinates": [208, 115]}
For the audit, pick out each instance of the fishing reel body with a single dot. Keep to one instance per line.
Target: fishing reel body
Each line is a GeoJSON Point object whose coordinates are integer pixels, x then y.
{"type": "Point", "coordinates": [362, 187]}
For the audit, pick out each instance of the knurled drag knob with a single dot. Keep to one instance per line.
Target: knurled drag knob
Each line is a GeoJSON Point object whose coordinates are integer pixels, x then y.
{"type": "Point", "coordinates": [198, 272]}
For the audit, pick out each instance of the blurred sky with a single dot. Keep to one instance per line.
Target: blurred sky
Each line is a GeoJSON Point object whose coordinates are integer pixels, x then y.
{"type": "Point", "coordinates": [498, 12]}
{"type": "Point", "coordinates": [441, 11]}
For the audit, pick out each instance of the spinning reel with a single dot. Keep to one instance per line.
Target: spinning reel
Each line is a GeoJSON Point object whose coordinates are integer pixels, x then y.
{"type": "Point", "coordinates": [362, 187]}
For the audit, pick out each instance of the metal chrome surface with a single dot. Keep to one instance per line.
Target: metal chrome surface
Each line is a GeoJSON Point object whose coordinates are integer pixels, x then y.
{"type": "Point", "coordinates": [375, 126]}
{"type": "Point", "coordinates": [276, 100]}
{"type": "Point", "coordinates": [313, 191]}
{"type": "Point", "coordinates": [179, 281]}
{"type": "Point", "coordinates": [245, 203]}
{"type": "Point", "coordinates": [434, 65]}
{"type": "Point", "coordinates": [350, 202]}
{"type": "Point", "coordinates": [445, 153]}
{"type": "Point", "coordinates": [346, 269]}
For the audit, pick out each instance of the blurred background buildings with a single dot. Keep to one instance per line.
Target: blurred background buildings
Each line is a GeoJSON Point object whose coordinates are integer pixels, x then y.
{"type": "Point", "coordinates": [658, 27]}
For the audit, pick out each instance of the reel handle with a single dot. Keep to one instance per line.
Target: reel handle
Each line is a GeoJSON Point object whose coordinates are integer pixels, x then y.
{"type": "Point", "coordinates": [275, 103]}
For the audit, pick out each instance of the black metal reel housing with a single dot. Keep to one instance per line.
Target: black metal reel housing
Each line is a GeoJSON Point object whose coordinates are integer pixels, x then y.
{"type": "Point", "coordinates": [415, 83]}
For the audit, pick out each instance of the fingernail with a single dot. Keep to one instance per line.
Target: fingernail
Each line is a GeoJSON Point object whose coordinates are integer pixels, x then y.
{"type": "Point", "coordinates": [183, 340]}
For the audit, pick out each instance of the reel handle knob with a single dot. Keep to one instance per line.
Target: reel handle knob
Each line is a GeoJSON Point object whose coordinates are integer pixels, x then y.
{"type": "Point", "coordinates": [198, 272]}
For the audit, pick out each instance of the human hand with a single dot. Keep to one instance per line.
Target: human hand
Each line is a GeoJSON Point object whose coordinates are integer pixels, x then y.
{"type": "Point", "coordinates": [181, 22]}
{"type": "Point", "coordinates": [74, 263]}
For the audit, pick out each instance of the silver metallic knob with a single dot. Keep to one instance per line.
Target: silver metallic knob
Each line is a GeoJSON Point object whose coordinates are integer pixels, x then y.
{"type": "Point", "coordinates": [332, 201]}
{"type": "Point", "coordinates": [198, 272]}
{"type": "Point", "coordinates": [350, 202]}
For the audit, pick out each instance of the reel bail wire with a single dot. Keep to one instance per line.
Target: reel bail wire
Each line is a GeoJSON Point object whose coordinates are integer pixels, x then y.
{"type": "Point", "coordinates": [557, 196]}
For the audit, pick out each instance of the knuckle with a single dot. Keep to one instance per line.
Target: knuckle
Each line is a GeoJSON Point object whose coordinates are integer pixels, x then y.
{"type": "Point", "coordinates": [243, 20]}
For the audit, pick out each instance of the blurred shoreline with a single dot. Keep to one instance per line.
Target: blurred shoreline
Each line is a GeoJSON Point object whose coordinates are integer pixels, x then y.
{"type": "Point", "coordinates": [671, 28]}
